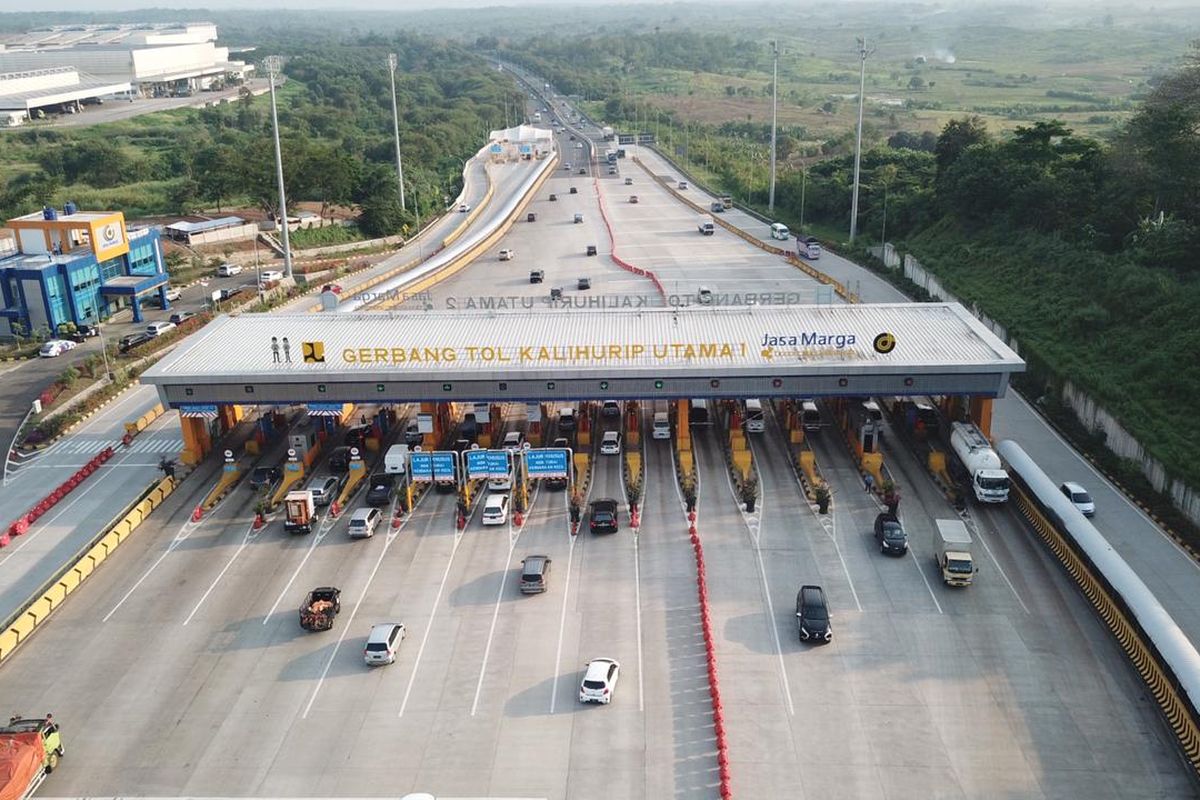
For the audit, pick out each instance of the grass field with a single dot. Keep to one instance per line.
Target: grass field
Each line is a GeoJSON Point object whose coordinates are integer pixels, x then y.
{"type": "Point", "coordinates": [925, 70]}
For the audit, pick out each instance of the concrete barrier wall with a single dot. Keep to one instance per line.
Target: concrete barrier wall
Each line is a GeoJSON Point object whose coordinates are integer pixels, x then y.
{"type": "Point", "coordinates": [54, 593]}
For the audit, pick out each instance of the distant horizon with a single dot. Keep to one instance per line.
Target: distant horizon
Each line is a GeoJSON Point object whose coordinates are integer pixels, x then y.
{"type": "Point", "coordinates": [406, 6]}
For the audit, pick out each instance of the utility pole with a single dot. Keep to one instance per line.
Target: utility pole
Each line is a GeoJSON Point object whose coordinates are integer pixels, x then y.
{"type": "Point", "coordinates": [392, 61]}
{"type": "Point", "coordinates": [803, 187]}
{"type": "Point", "coordinates": [863, 52]}
{"type": "Point", "coordinates": [273, 64]}
{"type": "Point", "coordinates": [774, 119]}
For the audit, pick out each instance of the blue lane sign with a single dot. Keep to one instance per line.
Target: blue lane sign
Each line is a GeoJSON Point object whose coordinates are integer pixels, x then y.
{"type": "Point", "coordinates": [432, 466]}
{"type": "Point", "coordinates": [547, 462]}
{"type": "Point", "coordinates": [487, 463]}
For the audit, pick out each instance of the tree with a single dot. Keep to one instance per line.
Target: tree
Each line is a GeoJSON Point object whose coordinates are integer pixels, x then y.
{"type": "Point", "coordinates": [956, 137]}
{"type": "Point", "coordinates": [916, 83]}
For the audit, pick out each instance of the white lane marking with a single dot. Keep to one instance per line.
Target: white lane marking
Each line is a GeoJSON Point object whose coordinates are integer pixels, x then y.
{"type": "Point", "coordinates": [764, 583]}
{"type": "Point", "coordinates": [562, 617]}
{"type": "Point", "coordinates": [1101, 477]}
{"type": "Point", "coordinates": [828, 523]}
{"type": "Point", "coordinates": [247, 538]}
{"type": "Point", "coordinates": [487, 650]}
{"type": "Point", "coordinates": [185, 531]}
{"type": "Point", "coordinates": [458, 535]}
{"type": "Point", "coordinates": [913, 556]}
{"type": "Point", "coordinates": [326, 526]}
{"type": "Point", "coordinates": [391, 537]}
{"type": "Point", "coordinates": [1000, 569]}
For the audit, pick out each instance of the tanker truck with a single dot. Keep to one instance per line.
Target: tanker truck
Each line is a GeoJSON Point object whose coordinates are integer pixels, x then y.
{"type": "Point", "coordinates": [989, 481]}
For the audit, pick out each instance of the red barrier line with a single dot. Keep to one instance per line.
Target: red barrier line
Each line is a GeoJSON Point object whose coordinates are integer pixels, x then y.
{"type": "Point", "coordinates": [22, 523]}
{"type": "Point", "coordinates": [612, 245]}
{"type": "Point", "coordinates": [714, 689]}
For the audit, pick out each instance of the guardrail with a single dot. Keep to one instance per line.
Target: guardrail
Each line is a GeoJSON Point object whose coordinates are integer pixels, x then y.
{"type": "Point", "coordinates": [48, 597]}
{"type": "Point", "coordinates": [474, 213]}
{"type": "Point", "coordinates": [838, 287]}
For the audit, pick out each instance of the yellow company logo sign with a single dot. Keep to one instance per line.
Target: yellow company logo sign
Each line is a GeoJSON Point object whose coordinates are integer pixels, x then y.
{"type": "Point", "coordinates": [314, 352]}
{"type": "Point", "coordinates": [885, 343]}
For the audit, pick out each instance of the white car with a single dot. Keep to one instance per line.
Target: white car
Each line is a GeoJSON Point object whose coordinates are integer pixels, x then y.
{"type": "Point", "coordinates": [501, 484]}
{"type": "Point", "coordinates": [495, 509]}
{"type": "Point", "coordinates": [55, 348]}
{"type": "Point", "coordinates": [599, 681]}
{"type": "Point", "coordinates": [513, 440]}
{"type": "Point", "coordinates": [507, 254]}
{"type": "Point", "coordinates": [464, 208]}
{"type": "Point", "coordinates": [382, 643]}
{"type": "Point", "coordinates": [1079, 498]}
{"type": "Point", "coordinates": [269, 275]}
{"type": "Point", "coordinates": [159, 328]}
{"type": "Point", "coordinates": [228, 270]}
{"type": "Point", "coordinates": [610, 444]}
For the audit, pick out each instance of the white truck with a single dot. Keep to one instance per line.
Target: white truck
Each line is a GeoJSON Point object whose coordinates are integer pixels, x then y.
{"type": "Point", "coordinates": [705, 226]}
{"type": "Point", "coordinates": [301, 511]}
{"type": "Point", "coordinates": [988, 478]}
{"type": "Point", "coordinates": [952, 549]}
{"type": "Point", "coordinates": [607, 133]}
{"type": "Point", "coordinates": [395, 460]}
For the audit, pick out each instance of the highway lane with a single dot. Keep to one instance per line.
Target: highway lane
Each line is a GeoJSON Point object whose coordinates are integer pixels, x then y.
{"type": "Point", "coordinates": [1158, 560]}
{"type": "Point", "coordinates": [53, 539]}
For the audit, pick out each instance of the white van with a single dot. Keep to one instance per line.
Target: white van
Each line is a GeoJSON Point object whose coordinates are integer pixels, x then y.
{"type": "Point", "coordinates": [755, 422]}
{"type": "Point", "coordinates": [363, 523]}
{"type": "Point", "coordinates": [705, 296]}
{"type": "Point", "coordinates": [779, 231]}
{"type": "Point", "coordinates": [662, 426]}
{"type": "Point", "coordinates": [810, 416]}
{"type": "Point", "coordinates": [495, 509]}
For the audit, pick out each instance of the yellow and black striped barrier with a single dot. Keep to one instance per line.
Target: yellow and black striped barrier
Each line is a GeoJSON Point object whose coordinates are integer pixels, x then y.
{"type": "Point", "coordinates": [47, 599]}
{"type": "Point", "coordinates": [1175, 708]}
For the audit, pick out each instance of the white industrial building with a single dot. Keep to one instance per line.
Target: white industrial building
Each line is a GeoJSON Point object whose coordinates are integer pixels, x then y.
{"type": "Point", "coordinates": [522, 141]}
{"type": "Point", "coordinates": [56, 66]}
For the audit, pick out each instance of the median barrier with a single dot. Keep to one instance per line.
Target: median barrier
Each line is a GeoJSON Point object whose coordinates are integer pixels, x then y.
{"type": "Point", "coordinates": [53, 593]}
{"type": "Point", "coordinates": [21, 525]}
{"type": "Point", "coordinates": [141, 423]}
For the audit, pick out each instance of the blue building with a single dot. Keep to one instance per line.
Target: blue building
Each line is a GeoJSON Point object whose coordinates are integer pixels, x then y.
{"type": "Point", "coordinates": [78, 267]}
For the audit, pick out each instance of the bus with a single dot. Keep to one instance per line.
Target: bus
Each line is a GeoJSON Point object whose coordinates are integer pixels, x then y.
{"type": "Point", "coordinates": [755, 423]}
{"type": "Point", "coordinates": [808, 247]}
{"type": "Point", "coordinates": [779, 231]}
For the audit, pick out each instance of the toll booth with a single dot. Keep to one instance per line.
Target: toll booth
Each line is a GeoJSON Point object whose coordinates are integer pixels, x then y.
{"type": "Point", "coordinates": [303, 439]}
{"type": "Point", "coordinates": [866, 423]}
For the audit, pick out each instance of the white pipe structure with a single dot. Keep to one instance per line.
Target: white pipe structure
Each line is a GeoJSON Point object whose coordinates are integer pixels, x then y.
{"type": "Point", "coordinates": [774, 120]}
{"type": "Point", "coordinates": [863, 52]}
{"type": "Point", "coordinates": [1179, 655]}
{"type": "Point", "coordinates": [274, 64]}
{"type": "Point", "coordinates": [496, 216]}
{"type": "Point", "coordinates": [392, 61]}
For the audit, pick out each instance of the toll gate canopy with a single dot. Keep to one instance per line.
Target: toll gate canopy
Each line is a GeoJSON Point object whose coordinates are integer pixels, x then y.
{"type": "Point", "coordinates": [572, 354]}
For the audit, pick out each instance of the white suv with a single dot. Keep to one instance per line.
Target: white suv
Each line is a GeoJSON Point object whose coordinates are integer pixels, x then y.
{"type": "Point", "coordinates": [599, 681]}
{"type": "Point", "coordinates": [610, 444]}
{"type": "Point", "coordinates": [228, 270]}
{"type": "Point", "coordinates": [382, 643]}
{"type": "Point", "coordinates": [507, 254]}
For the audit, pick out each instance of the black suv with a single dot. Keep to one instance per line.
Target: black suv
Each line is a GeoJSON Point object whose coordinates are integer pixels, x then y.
{"type": "Point", "coordinates": [357, 436]}
{"type": "Point", "coordinates": [339, 460]}
{"type": "Point", "coordinates": [264, 476]}
{"type": "Point", "coordinates": [131, 341]}
{"type": "Point", "coordinates": [603, 516]}
{"type": "Point", "coordinates": [812, 615]}
{"type": "Point", "coordinates": [890, 535]}
{"type": "Point", "coordinates": [382, 488]}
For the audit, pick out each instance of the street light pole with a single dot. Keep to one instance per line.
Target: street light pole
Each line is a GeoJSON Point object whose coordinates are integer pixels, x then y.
{"type": "Point", "coordinates": [774, 120]}
{"type": "Point", "coordinates": [803, 186]}
{"type": "Point", "coordinates": [392, 61]}
{"type": "Point", "coordinates": [863, 52]}
{"type": "Point", "coordinates": [273, 64]}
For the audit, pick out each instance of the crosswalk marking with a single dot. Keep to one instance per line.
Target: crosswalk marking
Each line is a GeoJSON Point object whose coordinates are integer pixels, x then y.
{"type": "Point", "coordinates": [83, 446]}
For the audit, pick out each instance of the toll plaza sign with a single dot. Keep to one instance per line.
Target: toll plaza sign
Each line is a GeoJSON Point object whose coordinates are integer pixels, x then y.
{"type": "Point", "coordinates": [435, 466]}
{"type": "Point", "coordinates": [548, 354]}
{"type": "Point", "coordinates": [547, 462]}
{"type": "Point", "coordinates": [487, 463]}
